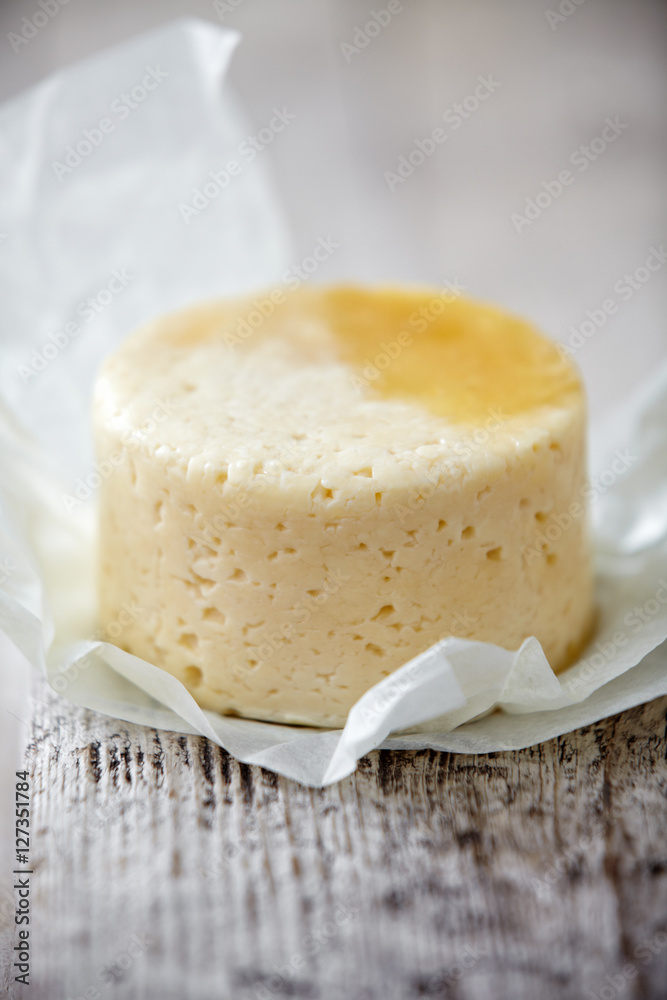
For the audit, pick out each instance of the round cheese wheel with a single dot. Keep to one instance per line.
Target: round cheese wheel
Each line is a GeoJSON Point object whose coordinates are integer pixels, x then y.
{"type": "Point", "coordinates": [309, 488]}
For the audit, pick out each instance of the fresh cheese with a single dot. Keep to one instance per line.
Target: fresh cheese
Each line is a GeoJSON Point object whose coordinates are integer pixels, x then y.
{"type": "Point", "coordinates": [310, 488]}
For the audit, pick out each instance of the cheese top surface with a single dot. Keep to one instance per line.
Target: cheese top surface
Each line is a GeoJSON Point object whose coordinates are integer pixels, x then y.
{"type": "Point", "coordinates": [466, 358]}
{"type": "Point", "coordinates": [307, 493]}
{"type": "Point", "coordinates": [339, 383]}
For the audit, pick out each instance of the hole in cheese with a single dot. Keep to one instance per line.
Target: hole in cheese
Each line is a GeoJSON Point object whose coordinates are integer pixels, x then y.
{"type": "Point", "coordinates": [193, 676]}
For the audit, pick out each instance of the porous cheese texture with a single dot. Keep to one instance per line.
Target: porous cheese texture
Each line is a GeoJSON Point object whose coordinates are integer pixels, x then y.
{"type": "Point", "coordinates": [309, 488]}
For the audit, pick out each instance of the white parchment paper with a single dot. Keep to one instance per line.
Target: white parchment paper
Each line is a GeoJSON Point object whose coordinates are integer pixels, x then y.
{"type": "Point", "coordinates": [98, 162]}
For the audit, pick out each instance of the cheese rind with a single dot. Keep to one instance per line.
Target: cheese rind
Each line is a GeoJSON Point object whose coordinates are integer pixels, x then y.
{"type": "Point", "coordinates": [300, 510]}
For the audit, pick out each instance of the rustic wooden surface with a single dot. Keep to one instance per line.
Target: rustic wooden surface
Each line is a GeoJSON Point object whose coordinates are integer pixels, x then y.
{"type": "Point", "coordinates": [165, 870]}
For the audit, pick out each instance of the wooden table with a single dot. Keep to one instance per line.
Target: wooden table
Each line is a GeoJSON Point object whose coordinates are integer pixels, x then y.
{"type": "Point", "coordinates": [166, 870]}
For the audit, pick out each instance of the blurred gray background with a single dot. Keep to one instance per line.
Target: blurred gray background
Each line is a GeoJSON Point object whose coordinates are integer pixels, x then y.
{"type": "Point", "coordinates": [560, 69]}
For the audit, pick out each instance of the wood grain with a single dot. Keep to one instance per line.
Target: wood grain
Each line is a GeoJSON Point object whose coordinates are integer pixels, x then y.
{"type": "Point", "coordinates": [165, 869]}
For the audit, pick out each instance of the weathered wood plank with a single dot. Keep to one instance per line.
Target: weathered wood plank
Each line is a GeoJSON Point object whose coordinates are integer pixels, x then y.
{"type": "Point", "coordinates": [536, 873]}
